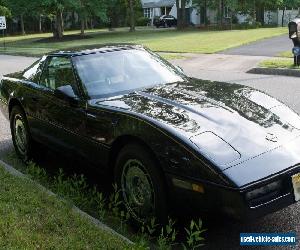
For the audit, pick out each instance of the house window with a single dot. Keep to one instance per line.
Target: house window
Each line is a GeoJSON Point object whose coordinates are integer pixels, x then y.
{"type": "Point", "coordinates": [148, 12]}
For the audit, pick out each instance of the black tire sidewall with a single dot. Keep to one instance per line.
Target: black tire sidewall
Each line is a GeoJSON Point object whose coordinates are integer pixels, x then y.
{"type": "Point", "coordinates": [17, 111]}
{"type": "Point", "coordinates": [138, 152]}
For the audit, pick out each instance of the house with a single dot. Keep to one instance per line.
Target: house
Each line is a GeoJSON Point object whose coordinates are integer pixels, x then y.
{"type": "Point", "coordinates": [153, 8]}
{"type": "Point", "coordinates": [280, 17]}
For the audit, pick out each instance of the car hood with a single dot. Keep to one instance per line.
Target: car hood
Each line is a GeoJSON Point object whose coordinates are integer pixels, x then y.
{"type": "Point", "coordinates": [229, 123]}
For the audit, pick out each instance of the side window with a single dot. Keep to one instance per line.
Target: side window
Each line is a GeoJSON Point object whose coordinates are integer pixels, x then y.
{"type": "Point", "coordinates": [57, 73]}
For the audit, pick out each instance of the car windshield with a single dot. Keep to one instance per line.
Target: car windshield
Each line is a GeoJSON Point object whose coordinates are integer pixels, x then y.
{"type": "Point", "coordinates": [112, 73]}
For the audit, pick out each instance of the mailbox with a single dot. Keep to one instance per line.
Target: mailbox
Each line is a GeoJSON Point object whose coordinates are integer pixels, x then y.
{"type": "Point", "coordinates": [294, 34]}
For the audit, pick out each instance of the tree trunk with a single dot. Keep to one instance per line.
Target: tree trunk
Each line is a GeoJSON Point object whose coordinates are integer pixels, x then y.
{"type": "Point", "coordinates": [40, 24]}
{"type": "Point", "coordinates": [131, 13]}
{"type": "Point", "coordinates": [205, 13]}
{"type": "Point", "coordinates": [178, 7]}
{"type": "Point", "coordinates": [82, 26]}
{"type": "Point", "coordinates": [282, 19]}
{"type": "Point", "coordinates": [22, 24]}
{"type": "Point", "coordinates": [73, 20]}
{"type": "Point", "coordinates": [183, 14]}
{"type": "Point", "coordinates": [62, 24]}
{"type": "Point", "coordinates": [86, 24]}
{"type": "Point", "coordinates": [254, 10]}
{"type": "Point", "coordinates": [58, 26]}
{"type": "Point", "coordinates": [92, 23]}
{"type": "Point", "coordinates": [221, 13]}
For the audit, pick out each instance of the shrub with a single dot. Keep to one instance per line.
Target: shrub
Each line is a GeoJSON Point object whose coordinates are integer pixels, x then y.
{"type": "Point", "coordinates": [143, 21]}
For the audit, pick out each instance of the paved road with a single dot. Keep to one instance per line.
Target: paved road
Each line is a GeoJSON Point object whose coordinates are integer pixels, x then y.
{"type": "Point", "coordinates": [267, 47]}
{"type": "Point", "coordinates": [217, 62]}
{"type": "Point", "coordinates": [221, 234]}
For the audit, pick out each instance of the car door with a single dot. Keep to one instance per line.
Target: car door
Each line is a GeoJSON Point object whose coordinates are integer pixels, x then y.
{"type": "Point", "coordinates": [63, 119]}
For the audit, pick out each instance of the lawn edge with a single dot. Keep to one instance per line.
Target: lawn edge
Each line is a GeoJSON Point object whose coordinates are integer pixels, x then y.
{"type": "Point", "coordinates": [275, 71]}
{"type": "Point", "coordinates": [14, 172]}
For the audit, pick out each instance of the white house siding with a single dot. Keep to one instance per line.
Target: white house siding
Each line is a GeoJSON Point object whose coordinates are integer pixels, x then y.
{"type": "Point", "coordinates": [174, 11]}
{"type": "Point", "coordinates": [289, 15]}
{"type": "Point", "coordinates": [243, 18]}
{"type": "Point", "coordinates": [195, 17]}
{"type": "Point", "coordinates": [275, 17]}
{"type": "Point", "coordinates": [271, 17]}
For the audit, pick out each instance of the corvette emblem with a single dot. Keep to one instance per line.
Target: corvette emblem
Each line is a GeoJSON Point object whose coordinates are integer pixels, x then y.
{"type": "Point", "coordinates": [271, 137]}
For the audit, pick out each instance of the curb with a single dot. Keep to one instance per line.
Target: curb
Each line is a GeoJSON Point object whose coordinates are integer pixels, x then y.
{"type": "Point", "coordinates": [279, 72]}
{"type": "Point", "coordinates": [93, 220]}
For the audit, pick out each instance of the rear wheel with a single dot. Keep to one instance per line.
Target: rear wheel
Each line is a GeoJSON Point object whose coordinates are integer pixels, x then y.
{"type": "Point", "coordinates": [20, 133]}
{"type": "Point", "coordinates": [141, 184]}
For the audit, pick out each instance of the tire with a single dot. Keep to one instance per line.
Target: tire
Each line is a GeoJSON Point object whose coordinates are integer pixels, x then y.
{"type": "Point", "coordinates": [21, 134]}
{"type": "Point", "coordinates": [141, 184]}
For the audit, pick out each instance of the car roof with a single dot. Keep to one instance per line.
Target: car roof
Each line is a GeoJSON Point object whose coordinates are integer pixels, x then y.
{"type": "Point", "coordinates": [94, 49]}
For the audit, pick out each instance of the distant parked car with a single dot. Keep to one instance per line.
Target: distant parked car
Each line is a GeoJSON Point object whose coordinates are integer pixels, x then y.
{"type": "Point", "coordinates": [165, 21]}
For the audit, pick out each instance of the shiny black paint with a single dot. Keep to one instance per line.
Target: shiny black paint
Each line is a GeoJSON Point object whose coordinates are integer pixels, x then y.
{"type": "Point", "coordinates": [164, 118]}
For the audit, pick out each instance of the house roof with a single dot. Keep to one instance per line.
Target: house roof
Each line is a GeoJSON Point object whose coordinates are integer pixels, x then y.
{"type": "Point", "coordinates": [158, 4]}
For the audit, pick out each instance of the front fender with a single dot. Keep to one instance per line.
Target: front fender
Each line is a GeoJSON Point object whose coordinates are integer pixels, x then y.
{"type": "Point", "coordinates": [176, 155]}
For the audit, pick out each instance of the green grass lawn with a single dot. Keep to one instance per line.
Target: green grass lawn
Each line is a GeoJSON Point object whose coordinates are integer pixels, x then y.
{"type": "Point", "coordinates": [286, 54]}
{"type": "Point", "coordinates": [285, 63]}
{"type": "Point", "coordinates": [31, 219]}
{"type": "Point", "coordinates": [190, 41]}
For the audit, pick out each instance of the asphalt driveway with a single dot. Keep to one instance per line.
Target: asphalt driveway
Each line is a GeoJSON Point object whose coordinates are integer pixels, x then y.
{"type": "Point", "coordinates": [222, 234]}
{"type": "Point", "coordinates": [267, 47]}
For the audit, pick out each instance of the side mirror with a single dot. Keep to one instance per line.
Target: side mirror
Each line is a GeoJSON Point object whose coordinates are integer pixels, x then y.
{"type": "Point", "coordinates": [66, 93]}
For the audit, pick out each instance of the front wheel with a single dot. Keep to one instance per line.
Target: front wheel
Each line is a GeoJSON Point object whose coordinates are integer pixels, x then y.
{"type": "Point", "coordinates": [20, 133]}
{"type": "Point", "coordinates": [141, 184]}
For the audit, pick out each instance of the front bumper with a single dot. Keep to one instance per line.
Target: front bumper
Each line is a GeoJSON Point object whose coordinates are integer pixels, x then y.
{"type": "Point", "coordinates": [232, 202]}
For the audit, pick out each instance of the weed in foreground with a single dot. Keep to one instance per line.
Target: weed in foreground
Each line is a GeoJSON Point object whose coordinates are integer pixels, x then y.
{"type": "Point", "coordinates": [75, 189]}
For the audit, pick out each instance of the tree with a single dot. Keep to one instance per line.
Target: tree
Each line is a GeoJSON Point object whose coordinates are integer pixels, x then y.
{"type": "Point", "coordinates": [115, 13]}
{"type": "Point", "coordinates": [56, 9]}
{"type": "Point", "coordinates": [131, 15]}
{"type": "Point", "coordinates": [20, 8]}
{"type": "Point", "coordinates": [181, 13]}
{"type": "Point", "coordinates": [4, 11]}
{"type": "Point", "coordinates": [88, 9]}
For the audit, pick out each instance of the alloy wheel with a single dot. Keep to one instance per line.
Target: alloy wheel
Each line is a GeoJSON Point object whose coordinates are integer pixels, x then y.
{"type": "Point", "coordinates": [20, 134]}
{"type": "Point", "coordinates": [137, 190]}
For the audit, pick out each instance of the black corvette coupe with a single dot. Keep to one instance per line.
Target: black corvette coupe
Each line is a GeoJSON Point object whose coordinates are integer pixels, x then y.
{"type": "Point", "coordinates": [170, 141]}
